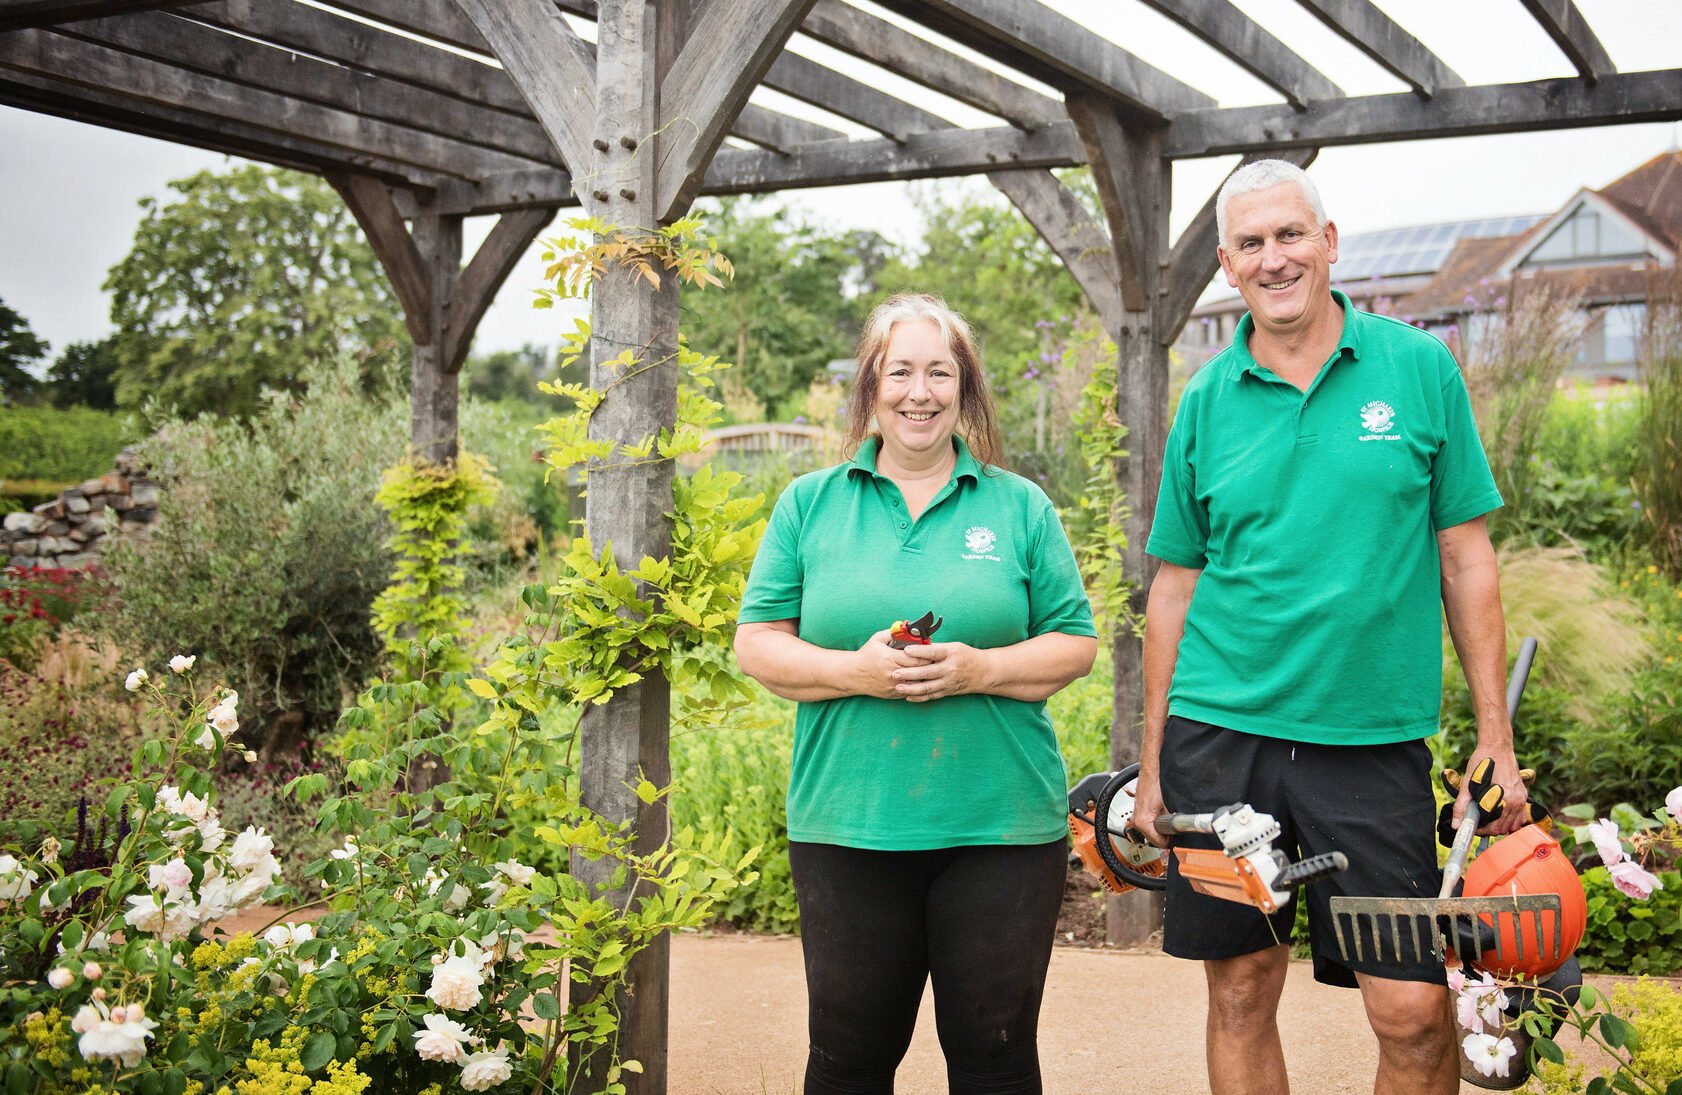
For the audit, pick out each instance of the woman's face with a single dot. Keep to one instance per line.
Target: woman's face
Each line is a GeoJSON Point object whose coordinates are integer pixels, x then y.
{"type": "Point", "coordinates": [917, 391]}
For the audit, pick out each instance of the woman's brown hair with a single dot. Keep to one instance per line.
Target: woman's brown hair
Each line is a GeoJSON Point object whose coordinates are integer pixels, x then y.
{"type": "Point", "coordinates": [978, 422]}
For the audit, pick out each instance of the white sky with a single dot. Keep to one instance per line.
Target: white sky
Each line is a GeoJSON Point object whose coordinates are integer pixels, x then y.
{"type": "Point", "coordinates": [69, 191]}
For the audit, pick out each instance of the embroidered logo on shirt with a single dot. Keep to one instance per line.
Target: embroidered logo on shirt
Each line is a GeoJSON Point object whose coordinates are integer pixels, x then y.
{"type": "Point", "coordinates": [979, 539]}
{"type": "Point", "coordinates": [1378, 417]}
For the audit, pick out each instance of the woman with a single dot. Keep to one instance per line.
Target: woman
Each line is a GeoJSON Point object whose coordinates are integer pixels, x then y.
{"type": "Point", "coordinates": [926, 807]}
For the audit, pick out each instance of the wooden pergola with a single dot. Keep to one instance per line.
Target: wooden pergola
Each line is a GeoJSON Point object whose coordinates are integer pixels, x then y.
{"type": "Point", "coordinates": [424, 112]}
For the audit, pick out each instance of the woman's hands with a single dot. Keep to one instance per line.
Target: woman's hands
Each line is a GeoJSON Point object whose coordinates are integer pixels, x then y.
{"type": "Point", "coordinates": [939, 670]}
{"type": "Point", "coordinates": [877, 667]}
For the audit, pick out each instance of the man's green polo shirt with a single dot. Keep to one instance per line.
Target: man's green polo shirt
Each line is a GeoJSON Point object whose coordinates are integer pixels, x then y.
{"type": "Point", "coordinates": [842, 556]}
{"type": "Point", "coordinates": [1318, 615]}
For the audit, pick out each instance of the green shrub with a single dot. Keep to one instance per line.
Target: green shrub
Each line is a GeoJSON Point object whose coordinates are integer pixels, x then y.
{"type": "Point", "coordinates": [532, 507]}
{"type": "Point", "coordinates": [269, 550]}
{"type": "Point", "coordinates": [65, 446]}
{"type": "Point", "coordinates": [1625, 936]}
{"type": "Point", "coordinates": [1658, 466]}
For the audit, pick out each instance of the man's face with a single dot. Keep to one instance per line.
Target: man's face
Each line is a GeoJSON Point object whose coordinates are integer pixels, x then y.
{"type": "Point", "coordinates": [1279, 258]}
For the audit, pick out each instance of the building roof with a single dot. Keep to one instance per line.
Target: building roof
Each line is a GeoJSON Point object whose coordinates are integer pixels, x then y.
{"type": "Point", "coordinates": [1476, 275]}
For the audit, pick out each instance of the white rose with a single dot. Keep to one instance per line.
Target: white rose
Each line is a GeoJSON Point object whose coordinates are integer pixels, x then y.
{"type": "Point", "coordinates": [60, 978]}
{"type": "Point", "coordinates": [454, 901]}
{"type": "Point", "coordinates": [251, 887]}
{"type": "Point", "coordinates": [485, 1069]}
{"type": "Point", "coordinates": [182, 662]}
{"type": "Point", "coordinates": [223, 717]}
{"type": "Point", "coordinates": [250, 848]}
{"type": "Point", "coordinates": [211, 834]}
{"type": "Point", "coordinates": [16, 881]}
{"type": "Point", "coordinates": [206, 740]}
{"type": "Point", "coordinates": [349, 851]}
{"type": "Point", "coordinates": [174, 875]}
{"type": "Point", "coordinates": [1673, 803]}
{"type": "Point", "coordinates": [286, 936]}
{"type": "Point", "coordinates": [456, 981]}
{"type": "Point", "coordinates": [135, 680]}
{"type": "Point", "coordinates": [92, 971]}
{"type": "Point", "coordinates": [517, 872]}
{"type": "Point", "coordinates": [444, 1039]}
{"type": "Point", "coordinates": [123, 1040]}
{"type": "Point", "coordinates": [231, 698]}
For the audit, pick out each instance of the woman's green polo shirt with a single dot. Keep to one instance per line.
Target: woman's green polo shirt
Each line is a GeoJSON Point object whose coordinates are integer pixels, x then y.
{"type": "Point", "coordinates": [842, 557]}
{"type": "Point", "coordinates": [1318, 616]}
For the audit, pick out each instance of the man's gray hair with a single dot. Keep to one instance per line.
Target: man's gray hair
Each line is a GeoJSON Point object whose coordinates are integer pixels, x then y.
{"type": "Point", "coordinates": [1263, 175]}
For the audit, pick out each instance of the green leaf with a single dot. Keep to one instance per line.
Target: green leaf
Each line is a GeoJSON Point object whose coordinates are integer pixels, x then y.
{"type": "Point", "coordinates": [1597, 1086]}
{"type": "Point", "coordinates": [1548, 1048]}
{"type": "Point", "coordinates": [1615, 1030]}
{"type": "Point", "coordinates": [545, 1006]}
{"type": "Point", "coordinates": [318, 1050]}
{"type": "Point", "coordinates": [19, 1080]}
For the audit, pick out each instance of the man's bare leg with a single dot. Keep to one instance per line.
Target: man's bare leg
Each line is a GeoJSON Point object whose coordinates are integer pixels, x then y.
{"type": "Point", "coordinates": [1245, 1057]}
{"type": "Point", "coordinates": [1415, 1029]}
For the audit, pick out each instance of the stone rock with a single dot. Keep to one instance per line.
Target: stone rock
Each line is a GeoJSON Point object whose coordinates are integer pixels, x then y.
{"type": "Point", "coordinates": [121, 502]}
{"type": "Point", "coordinates": [141, 514]}
{"type": "Point", "coordinates": [133, 528]}
{"type": "Point", "coordinates": [25, 522]}
{"type": "Point", "coordinates": [93, 486]}
{"type": "Point", "coordinates": [78, 561]}
{"type": "Point", "coordinates": [143, 493]}
{"type": "Point", "coordinates": [51, 510]}
{"type": "Point", "coordinates": [95, 525]}
{"type": "Point", "coordinates": [23, 562]}
{"type": "Point", "coordinates": [80, 535]}
{"type": "Point", "coordinates": [25, 547]}
{"type": "Point", "coordinates": [58, 528]}
{"type": "Point", "coordinates": [96, 503]}
{"type": "Point", "coordinates": [75, 503]}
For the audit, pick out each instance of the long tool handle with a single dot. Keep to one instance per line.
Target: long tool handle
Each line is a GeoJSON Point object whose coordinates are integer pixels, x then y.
{"type": "Point", "coordinates": [1486, 801]}
{"type": "Point", "coordinates": [1520, 675]}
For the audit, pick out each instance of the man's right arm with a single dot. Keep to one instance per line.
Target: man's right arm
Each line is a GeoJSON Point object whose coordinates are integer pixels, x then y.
{"type": "Point", "coordinates": [1165, 624]}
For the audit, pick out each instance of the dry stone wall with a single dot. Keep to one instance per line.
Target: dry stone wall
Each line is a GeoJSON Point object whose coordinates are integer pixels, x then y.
{"type": "Point", "coordinates": [70, 530]}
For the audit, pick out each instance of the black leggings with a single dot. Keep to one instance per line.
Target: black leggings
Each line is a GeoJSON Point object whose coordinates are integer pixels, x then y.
{"type": "Point", "coordinates": [875, 925]}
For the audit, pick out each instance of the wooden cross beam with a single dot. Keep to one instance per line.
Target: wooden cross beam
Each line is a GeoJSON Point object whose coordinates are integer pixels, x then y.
{"type": "Point", "coordinates": [549, 65]}
{"type": "Point", "coordinates": [1064, 223]}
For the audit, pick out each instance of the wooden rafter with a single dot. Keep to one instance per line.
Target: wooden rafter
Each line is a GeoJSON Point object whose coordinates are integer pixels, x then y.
{"type": "Point", "coordinates": [882, 43]}
{"type": "Point", "coordinates": [728, 50]}
{"type": "Point", "coordinates": [1573, 35]}
{"type": "Point", "coordinates": [1245, 43]}
{"type": "Point", "coordinates": [18, 14]}
{"type": "Point", "coordinates": [201, 48]}
{"type": "Point", "coordinates": [213, 134]}
{"type": "Point", "coordinates": [96, 67]}
{"type": "Point", "coordinates": [1057, 50]}
{"type": "Point", "coordinates": [1364, 26]}
{"type": "Point", "coordinates": [852, 99]}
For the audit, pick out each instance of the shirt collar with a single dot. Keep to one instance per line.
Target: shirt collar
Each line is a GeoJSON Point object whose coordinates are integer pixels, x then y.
{"type": "Point", "coordinates": [1349, 340]}
{"type": "Point", "coordinates": [865, 459]}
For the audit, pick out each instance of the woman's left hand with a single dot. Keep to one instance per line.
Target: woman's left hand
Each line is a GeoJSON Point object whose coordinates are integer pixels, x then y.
{"type": "Point", "coordinates": [943, 669]}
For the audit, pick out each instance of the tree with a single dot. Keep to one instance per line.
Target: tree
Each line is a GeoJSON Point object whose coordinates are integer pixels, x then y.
{"type": "Point", "coordinates": [19, 348]}
{"type": "Point", "coordinates": [793, 306]}
{"type": "Point", "coordinates": [508, 374]}
{"type": "Point", "coordinates": [85, 375]}
{"type": "Point", "coordinates": [238, 284]}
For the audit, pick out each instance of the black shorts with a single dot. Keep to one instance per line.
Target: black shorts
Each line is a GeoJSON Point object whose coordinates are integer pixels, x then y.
{"type": "Point", "coordinates": [1371, 802]}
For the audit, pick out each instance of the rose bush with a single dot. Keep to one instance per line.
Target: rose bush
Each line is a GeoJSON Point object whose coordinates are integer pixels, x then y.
{"type": "Point", "coordinates": [429, 971]}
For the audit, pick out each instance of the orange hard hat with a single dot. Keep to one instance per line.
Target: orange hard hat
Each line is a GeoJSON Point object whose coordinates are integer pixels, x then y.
{"type": "Point", "coordinates": [1532, 945]}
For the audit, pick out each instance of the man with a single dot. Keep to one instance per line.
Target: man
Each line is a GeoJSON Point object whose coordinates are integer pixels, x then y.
{"type": "Point", "coordinates": [1323, 491]}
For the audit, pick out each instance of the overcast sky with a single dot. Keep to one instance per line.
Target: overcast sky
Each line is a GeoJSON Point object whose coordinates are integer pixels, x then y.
{"type": "Point", "coordinates": [69, 191]}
